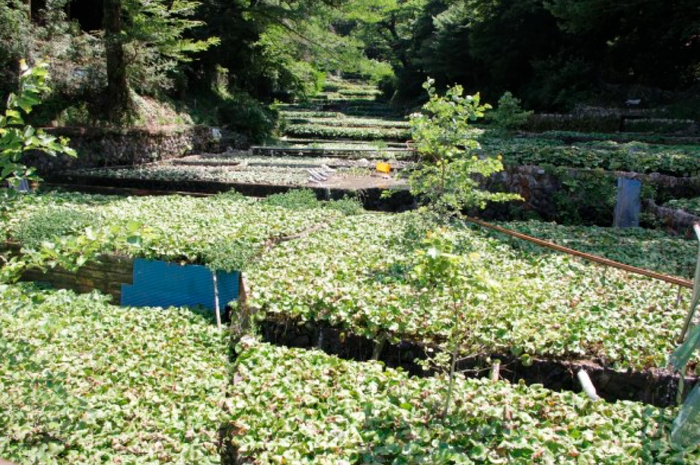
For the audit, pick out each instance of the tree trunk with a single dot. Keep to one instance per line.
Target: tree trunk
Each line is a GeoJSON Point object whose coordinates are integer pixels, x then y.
{"type": "Point", "coordinates": [117, 100]}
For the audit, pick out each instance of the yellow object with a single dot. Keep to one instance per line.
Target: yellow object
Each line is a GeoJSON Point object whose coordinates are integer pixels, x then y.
{"type": "Point", "coordinates": [383, 167]}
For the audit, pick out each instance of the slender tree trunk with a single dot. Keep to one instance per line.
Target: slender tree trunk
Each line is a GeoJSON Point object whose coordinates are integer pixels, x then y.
{"type": "Point", "coordinates": [453, 365]}
{"type": "Point", "coordinates": [117, 101]}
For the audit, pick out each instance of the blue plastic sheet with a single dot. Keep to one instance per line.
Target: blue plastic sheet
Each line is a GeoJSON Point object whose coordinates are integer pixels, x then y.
{"type": "Point", "coordinates": [164, 284]}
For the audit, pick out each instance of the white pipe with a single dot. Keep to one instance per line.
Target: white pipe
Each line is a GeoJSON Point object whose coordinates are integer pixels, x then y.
{"type": "Point", "coordinates": [217, 309]}
{"type": "Point", "coordinates": [587, 384]}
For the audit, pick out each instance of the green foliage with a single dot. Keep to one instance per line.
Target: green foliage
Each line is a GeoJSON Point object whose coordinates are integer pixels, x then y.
{"type": "Point", "coordinates": [285, 50]}
{"type": "Point", "coordinates": [584, 198]}
{"type": "Point", "coordinates": [646, 248]}
{"type": "Point", "coordinates": [323, 131]}
{"type": "Point", "coordinates": [347, 206]}
{"type": "Point", "coordinates": [305, 199]}
{"type": "Point", "coordinates": [305, 406]}
{"type": "Point", "coordinates": [448, 174]}
{"type": "Point", "coordinates": [439, 267]}
{"type": "Point", "coordinates": [84, 381]}
{"type": "Point", "coordinates": [158, 38]}
{"type": "Point", "coordinates": [17, 137]}
{"type": "Point", "coordinates": [222, 174]}
{"type": "Point", "coordinates": [224, 230]}
{"type": "Point", "coordinates": [691, 206]}
{"type": "Point", "coordinates": [673, 160]}
{"type": "Point", "coordinates": [509, 113]}
{"type": "Point", "coordinates": [234, 255]}
{"type": "Point", "coordinates": [243, 114]}
{"type": "Point", "coordinates": [554, 54]}
{"type": "Point", "coordinates": [356, 274]}
{"type": "Point", "coordinates": [15, 37]}
{"type": "Point", "coordinates": [49, 224]}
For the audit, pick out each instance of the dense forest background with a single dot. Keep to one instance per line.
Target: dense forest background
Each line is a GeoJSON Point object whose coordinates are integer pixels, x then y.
{"type": "Point", "coordinates": [224, 61]}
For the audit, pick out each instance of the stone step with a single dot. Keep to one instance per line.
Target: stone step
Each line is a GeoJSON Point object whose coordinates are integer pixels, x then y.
{"type": "Point", "coordinates": [330, 152]}
{"type": "Point", "coordinates": [308, 141]}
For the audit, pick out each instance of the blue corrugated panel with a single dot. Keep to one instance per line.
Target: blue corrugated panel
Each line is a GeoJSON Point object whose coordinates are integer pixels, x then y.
{"type": "Point", "coordinates": [163, 284]}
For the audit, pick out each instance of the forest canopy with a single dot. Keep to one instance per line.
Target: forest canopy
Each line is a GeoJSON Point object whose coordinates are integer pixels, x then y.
{"type": "Point", "coordinates": [234, 55]}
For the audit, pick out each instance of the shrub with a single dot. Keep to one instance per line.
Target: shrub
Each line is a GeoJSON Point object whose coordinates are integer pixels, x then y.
{"type": "Point", "coordinates": [243, 114]}
{"type": "Point", "coordinates": [448, 174]}
{"type": "Point", "coordinates": [17, 137]}
{"type": "Point", "coordinates": [509, 114]}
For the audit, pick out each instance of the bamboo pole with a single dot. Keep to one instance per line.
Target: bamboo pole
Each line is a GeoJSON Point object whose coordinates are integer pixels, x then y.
{"type": "Point", "coordinates": [586, 256]}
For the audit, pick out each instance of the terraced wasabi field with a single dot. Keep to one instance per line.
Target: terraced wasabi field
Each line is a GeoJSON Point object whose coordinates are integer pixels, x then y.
{"type": "Point", "coordinates": [346, 115]}
{"type": "Point", "coordinates": [85, 381]}
{"type": "Point", "coordinates": [296, 406]}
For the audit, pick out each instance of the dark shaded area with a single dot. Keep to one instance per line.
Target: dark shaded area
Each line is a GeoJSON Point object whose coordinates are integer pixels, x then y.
{"type": "Point", "coordinates": [88, 13]}
{"type": "Point", "coordinates": [656, 387]}
{"type": "Point", "coordinates": [554, 55]}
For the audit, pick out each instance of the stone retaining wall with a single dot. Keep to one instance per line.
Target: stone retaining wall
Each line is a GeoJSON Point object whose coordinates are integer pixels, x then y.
{"type": "Point", "coordinates": [100, 147]}
{"type": "Point", "coordinates": [554, 192]}
{"type": "Point", "coordinates": [678, 221]}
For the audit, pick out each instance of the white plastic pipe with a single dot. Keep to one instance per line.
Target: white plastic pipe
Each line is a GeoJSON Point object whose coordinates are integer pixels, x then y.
{"type": "Point", "coordinates": [587, 384]}
{"type": "Point", "coordinates": [217, 308]}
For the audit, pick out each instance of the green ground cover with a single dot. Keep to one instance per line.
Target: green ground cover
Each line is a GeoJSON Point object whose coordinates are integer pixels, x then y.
{"type": "Point", "coordinates": [633, 156]}
{"type": "Point", "coordinates": [348, 122]}
{"type": "Point", "coordinates": [82, 381]}
{"type": "Point", "coordinates": [210, 173]}
{"type": "Point", "coordinates": [645, 248]}
{"type": "Point", "coordinates": [227, 229]}
{"type": "Point", "coordinates": [295, 406]}
{"type": "Point", "coordinates": [691, 206]}
{"type": "Point", "coordinates": [311, 114]}
{"type": "Point", "coordinates": [621, 137]}
{"type": "Point", "coordinates": [356, 151]}
{"type": "Point", "coordinates": [348, 132]}
{"type": "Point", "coordinates": [358, 274]}
{"type": "Point", "coordinates": [268, 173]}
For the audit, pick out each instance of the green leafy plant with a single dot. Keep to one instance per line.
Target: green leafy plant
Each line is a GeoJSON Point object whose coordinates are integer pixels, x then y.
{"type": "Point", "coordinates": [439, 266]}
{"type": "Point", "coordinates": [50, 223]}
{"type": "Point", "coordinates": [300, 199]}
{"type": "Point", "coordinates": [509, 114]}
{"type": "Point", "coordinates": [646, 248]}
{"type": "Point", "coordinates": [303, 406]}
{"type": "Point", "coordinates": [673, 160]}
{"type": "Point", "coordinates": [17, 137]}
{"type": "Point", "coordinates": [356, 275]}
{"type": "Point", "coordinates": [691, 206]}
{"type": "Point", "coordinates": [449, 174]}
{"type": "Point", "coordinates": [84, 381]}
{"type": "Point", "coordinates": [225, 232]}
